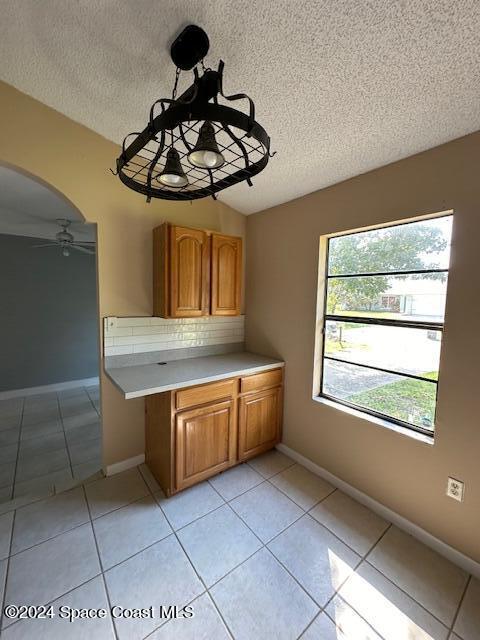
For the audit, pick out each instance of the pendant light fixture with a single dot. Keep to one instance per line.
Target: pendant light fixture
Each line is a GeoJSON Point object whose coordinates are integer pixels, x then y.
{"type": "Point", "coordinates": [194, 146]}
{"type": "Point", "coordinates": [173, 175]}
{"type": "Point", "coordinates": [206, 154]}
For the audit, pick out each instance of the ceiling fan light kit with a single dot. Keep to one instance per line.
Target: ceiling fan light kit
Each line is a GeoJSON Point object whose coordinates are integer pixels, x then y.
{"type": "Point", "coordinates": [66, 241]}
{"type": "Point", "coordinates": [193, 146]}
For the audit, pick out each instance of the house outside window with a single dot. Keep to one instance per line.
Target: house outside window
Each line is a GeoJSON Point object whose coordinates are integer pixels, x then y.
{"type": "Point", "coordinates": [382, 331]}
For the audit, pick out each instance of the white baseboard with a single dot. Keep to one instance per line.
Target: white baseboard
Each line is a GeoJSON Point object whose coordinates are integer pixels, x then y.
{"type": "Point", "coordinates": [48, 388]}
{"type": "Point", "coordinates": [123, 465]}
{"type": "Point", "coordinates": [428, 539]}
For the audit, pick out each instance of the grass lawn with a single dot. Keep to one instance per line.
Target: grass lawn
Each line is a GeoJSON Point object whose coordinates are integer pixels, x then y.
{"type": "Point", "coordinates": [371, 314]}
{"type": "Point", "coordinates": [407, 400]}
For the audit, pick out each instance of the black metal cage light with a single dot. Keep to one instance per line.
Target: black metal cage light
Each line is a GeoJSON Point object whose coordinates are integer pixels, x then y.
{"type": "Point", "coordinates": [193, 146]}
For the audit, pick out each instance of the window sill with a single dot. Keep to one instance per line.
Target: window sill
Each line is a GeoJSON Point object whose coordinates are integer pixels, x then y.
{"type": "Point", "coordinates": [386, 424]}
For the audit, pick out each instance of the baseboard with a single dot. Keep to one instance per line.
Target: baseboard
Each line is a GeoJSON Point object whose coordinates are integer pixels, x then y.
{"type": "Point", "coordinates": [123, 465]}
{"type": "Point", "coordinates": [48, 388]}
{"type": "Point", "coordinates": [428, 539]}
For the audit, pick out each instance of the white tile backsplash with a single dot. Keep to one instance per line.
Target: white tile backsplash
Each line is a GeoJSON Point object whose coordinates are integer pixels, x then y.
{"type": "Point", "coordinates": [140, 335]}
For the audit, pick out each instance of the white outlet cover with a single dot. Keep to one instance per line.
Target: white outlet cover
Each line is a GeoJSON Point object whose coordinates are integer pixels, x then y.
{"type": "Point", "coordinates": [111, 322]}
{"type": "Point", "coordinates": [455, 489]}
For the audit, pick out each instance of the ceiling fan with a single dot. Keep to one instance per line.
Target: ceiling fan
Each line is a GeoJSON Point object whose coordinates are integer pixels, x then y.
{"type": "Point", "coordinates": [66, 241]}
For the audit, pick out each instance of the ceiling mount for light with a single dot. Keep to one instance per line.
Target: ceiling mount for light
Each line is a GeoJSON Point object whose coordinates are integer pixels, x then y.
{"type": "Point", "coordinates": [193, 146]}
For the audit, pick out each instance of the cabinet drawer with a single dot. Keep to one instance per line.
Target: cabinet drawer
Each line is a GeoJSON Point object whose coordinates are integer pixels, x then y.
{"type": "Point", "coordinates": [261, 381]}
{"type": "Point", "coordinates": [204, 393]}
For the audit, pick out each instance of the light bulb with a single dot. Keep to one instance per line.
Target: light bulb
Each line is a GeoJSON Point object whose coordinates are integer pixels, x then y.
{"type": "Point", "coordinates": [206, 159]}
{"type": "Point", "coordinates": [66, 252]}
{"type": "Point", "coordinates": [172, 180]}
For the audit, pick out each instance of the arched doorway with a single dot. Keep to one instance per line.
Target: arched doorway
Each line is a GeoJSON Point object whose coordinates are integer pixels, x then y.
{"type": "Point", "coordinates": [50, 426]}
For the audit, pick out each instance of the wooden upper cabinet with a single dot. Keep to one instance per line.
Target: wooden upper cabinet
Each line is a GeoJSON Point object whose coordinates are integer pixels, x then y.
{"type": "Point", "coordinates": [226, 275]}
{"type": "Point", "coordinates": [189, 272]}
{"type": "Point", "coordinates": [181, 272]}
{"type": "Point", "coordinates": [195, 273]}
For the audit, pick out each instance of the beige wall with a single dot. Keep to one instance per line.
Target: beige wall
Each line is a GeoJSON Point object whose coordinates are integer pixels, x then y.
{"type": "Point", "coordinates": [76, 161]}
{"type": "Point", "coordinates": [282, 263]}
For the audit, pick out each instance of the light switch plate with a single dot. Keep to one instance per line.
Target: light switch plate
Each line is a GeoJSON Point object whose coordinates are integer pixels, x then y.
{"type": "Point", "coordinates": [455, 489]}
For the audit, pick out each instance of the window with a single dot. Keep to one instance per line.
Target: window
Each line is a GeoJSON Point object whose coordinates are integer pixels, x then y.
{"type": "Point", "coordinates": [382, 333]}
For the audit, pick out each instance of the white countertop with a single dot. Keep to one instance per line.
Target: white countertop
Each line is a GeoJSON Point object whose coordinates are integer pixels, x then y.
{"type": "Point", "coordinates": [143, 380]}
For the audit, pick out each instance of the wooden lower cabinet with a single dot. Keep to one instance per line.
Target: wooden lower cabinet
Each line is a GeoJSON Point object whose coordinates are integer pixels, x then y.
{"type": "Point", "coordinates": [205, 442]}
{"type": "Point", "coordinates": [259, 422]}
{"type": "Point", "coordinates": [195, 433]}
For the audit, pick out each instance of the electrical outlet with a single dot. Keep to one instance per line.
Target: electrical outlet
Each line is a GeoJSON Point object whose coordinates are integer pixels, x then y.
{"type": "Point", "coordinates": [455, 489]}
{"type": "Point", "coordinates": [111, 323]}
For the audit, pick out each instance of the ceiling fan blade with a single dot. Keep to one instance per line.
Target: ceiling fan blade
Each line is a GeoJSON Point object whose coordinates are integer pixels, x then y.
{"type": "Point", "coordinates": [82, 249]}
{"type": "Point", "coordinates": [82, 242]}
{"type": "Point", "coordinates": [39, 246]}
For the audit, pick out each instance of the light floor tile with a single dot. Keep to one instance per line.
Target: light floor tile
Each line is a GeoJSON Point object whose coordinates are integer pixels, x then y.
{"type": "Point", "coordinates": [387, 609]}
{"type": "Point", "coordinates": [128, 530]}
{"type": "Point", "coordinates": [315, 557]}
{"type": "Point", "coordinates": [42, 520]}
{"type": "Point", "coordinates": [235, 481]}
{"type": "Point", "coordinates": [115, 491]}
{"type": "Point", "coordinates": [7, 472]}
{"type": "Point", "coordinates": [270, 463]}
{"type": "Point", "coordinates": [161, 574]}
{"type": "Point", "coordinates": [9, 436]}
{"type": "Point", "coordinates": [149, 479]}
{"type": "Point", "coordinates": [322, 628]}
{"type": "Point", "coordinates": [3, 573]}
{"type": "Point", "coordinates": [41, 429]}
{"type": "Point", "coordinates": [353, 523]}
{"type": "Point", "coordinates": [217, 543]}
{"type": "Point", "coordinates": [80, 420]}
{"type": "Point", "coordinates": [6, 522]}
{"type": "Point", "coordinates": [302, 486]}
{"type": "Point", "coordinates": [92, 596]}
{"type": "Point", "coordinates": [6, 493]}
{"type": "Point", "coordinates": [8, 453]}
{"type": "Point", "coordinates": [42, 444]}
{"type": "Point", "coordinates": [188, 505]}
{"type": "Point", "coordinates": [30, 467]}
{"type": "Point", "coordinates": [260, 599]}
{"type": "Point", "coordinates": [467, 624]}
{"type": "Point", "coordinates": [87, 471]}
{"type": "Point", "coordinates": [40, 416]}
{"type": "Point", "coordinates": [16, 503]}
{"type": "Point", "coordinates": [266, 510]}
{"type": "Point", "coordinates": [427, 577]}
{"type": "Point", "coordinates": [42, 484]}
{"type": "Point", "coordinates": [86, 451]}
{"type": "Point", "coordinates": [81, 434]}
{"type": "Point", "coordinates": [10, 422]}
{"type": "Point", "coordinates": [205, 624]}
{"type": "Point", "coordinates": [350, 625]}
{"type": "Point", "coordinates": [45, 572]}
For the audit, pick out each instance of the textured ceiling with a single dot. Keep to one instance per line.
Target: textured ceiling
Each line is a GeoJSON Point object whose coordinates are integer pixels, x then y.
{"type": "Point", "coordinates": [342, 86]}
{"type": "Point", "coordinates": [28, 208]}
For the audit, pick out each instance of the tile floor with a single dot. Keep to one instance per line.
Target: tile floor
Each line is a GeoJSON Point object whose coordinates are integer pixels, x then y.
{"type": "Point", "coordinates": [264, 551]}
{"type": "Point", "coordinates": [48, 440]}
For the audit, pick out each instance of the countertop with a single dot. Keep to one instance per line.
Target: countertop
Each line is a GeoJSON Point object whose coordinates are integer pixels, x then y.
{"type": "Point", "coordinates": [142, 380]}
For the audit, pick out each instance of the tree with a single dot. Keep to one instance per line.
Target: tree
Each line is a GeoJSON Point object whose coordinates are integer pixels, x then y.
{"type": "Point", "coordinates": [406, 247]}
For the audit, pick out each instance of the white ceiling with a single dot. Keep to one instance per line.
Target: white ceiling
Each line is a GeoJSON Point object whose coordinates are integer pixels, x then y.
{"type": "Point", "coordinates": [342, 86]}
{"type": "Point", "coordinates": [28, 208]}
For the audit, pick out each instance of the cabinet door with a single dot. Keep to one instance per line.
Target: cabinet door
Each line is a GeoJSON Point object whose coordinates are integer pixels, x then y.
{"type": "Point", "coordinates": [205, 442]}
{"type": "Point", "coordinates": [226, 275]}
{"type": "Point", "coordinates": [189, 272]}
{"type": "Point", "coordinates": [260, 422]}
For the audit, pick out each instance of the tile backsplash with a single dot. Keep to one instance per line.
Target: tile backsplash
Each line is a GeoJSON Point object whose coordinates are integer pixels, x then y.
{"type": "Point", "coordinates": [140, 335]}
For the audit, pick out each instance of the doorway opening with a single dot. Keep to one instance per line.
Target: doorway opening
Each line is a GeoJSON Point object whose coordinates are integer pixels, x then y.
{"type": "Point", "coordinates": [50, 424]}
